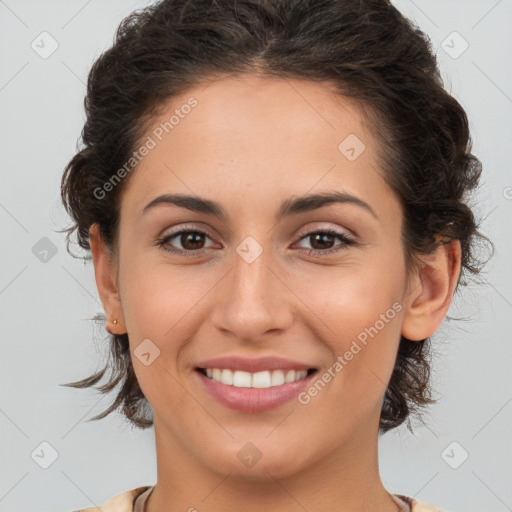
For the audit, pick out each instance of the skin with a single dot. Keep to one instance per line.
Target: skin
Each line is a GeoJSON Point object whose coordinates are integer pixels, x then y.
{"type": "Point", "coordinates": [250, 144]}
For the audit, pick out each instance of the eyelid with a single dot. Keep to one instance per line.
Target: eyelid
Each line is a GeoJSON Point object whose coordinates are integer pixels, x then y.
{"type": "Point", "coordinates": [187, 227]}
{"type": "Point", "coordinates": [339, 230]}
{"type": "Point", "coordinates": [302, 233]}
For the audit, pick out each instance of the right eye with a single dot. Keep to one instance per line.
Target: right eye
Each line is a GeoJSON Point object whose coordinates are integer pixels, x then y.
{"type": "Point", "coordinates": [189, 239]}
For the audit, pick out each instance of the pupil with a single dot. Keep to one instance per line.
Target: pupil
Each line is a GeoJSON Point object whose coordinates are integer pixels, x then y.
{"type": "Point", "coordinates": [321, 236]}
{"type": "Point", "coordinates": [189, 237]}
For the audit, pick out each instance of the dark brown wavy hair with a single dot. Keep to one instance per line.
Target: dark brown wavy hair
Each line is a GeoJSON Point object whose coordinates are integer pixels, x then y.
{"type": "Point", "coordinates": [366, 49]}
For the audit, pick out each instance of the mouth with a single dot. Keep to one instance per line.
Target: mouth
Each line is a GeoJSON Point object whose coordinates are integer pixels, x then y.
{"type": "Point", "coordinates": [254, 392]}
{"type": "Point", "coordinates": [259, 380]}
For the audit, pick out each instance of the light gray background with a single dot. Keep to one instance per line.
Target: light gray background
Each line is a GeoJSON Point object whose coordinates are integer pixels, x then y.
{"type": "Point", "coordinates": [47, 338]}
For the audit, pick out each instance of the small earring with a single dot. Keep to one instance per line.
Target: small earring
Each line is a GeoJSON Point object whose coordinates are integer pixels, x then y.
{"type": "Point", "coordinates": [115, 322]}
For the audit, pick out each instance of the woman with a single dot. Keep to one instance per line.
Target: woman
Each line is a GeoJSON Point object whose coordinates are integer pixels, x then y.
{"type": "Point", "coordinates": [273, 194]}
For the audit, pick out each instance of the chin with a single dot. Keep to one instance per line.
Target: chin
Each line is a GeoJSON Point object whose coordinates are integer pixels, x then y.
{"type": "Point", "coordinates": [249, 465]}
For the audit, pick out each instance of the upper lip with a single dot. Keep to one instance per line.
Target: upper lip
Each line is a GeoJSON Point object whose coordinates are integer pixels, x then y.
{"type": "Point", "coordinates": [253, 365]}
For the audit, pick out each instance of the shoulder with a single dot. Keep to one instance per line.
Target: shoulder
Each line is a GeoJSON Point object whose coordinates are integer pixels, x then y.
{"type": "Point", "coordinates": [418, 506]}
{"type": "Point", "coordinates": [119, 503]}
{"type": "Point", "coordinates": [124, 503]}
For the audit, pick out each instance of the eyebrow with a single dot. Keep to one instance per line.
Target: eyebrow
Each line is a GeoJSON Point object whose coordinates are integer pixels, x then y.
{"type": "Point", "coordinates": [289, 207]}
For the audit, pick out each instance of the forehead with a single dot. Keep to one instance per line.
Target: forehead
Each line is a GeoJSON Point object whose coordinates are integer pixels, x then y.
{"type": "Point", "coordinates": [242, 132]}
{"type": "Point", "coordinates": [273, 109]}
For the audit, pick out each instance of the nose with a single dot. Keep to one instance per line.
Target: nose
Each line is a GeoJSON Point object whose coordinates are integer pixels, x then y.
{"type": "Point", "coordinates": [252, 300]}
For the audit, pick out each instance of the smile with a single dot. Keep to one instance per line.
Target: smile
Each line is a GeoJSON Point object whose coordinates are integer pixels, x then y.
{"type": "Point", "coordinates": [260, 380]}
{"type": "Point", "coordinates": [253, 391]}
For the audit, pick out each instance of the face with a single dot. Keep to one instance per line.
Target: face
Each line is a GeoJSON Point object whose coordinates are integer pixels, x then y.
{"type": "Point", "coordinates": [318, 289]}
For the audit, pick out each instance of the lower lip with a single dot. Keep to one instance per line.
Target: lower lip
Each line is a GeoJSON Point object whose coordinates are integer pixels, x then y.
{"type": "Point", "coordinates": [254, 399]}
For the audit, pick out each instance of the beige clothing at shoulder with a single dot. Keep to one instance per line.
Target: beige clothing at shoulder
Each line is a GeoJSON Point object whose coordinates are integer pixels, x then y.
{"type": "Point", "coordinates": [125, 502]}
{"type": "Point", "coordinates": [135, 499]}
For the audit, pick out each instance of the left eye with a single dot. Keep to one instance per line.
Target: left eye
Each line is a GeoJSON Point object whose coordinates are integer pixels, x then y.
{"type": "Point", "coordinates": [191, 240]}
{"type": "Point", "coordinates": [326, 236]}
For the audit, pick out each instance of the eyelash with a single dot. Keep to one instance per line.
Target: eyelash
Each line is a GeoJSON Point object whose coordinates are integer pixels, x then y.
{"type": "Point", "coordinates": [347, 241]}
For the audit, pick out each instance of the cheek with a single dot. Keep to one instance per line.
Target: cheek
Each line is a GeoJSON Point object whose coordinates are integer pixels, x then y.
{"type": "Point", "coordinates": [351, 298]}
{"type": "Point", "coordinates": [157, 305]}
{"type": "Point", "coordinates": [156, 296]}
{"type": "Point", "coordinates": [359, 321]}
{"type": "Point", "coordinates": [358, 317]}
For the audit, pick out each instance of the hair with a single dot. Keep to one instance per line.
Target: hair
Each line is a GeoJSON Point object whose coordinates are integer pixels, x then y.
{"type": "Point", "coordinates": [367, 50]}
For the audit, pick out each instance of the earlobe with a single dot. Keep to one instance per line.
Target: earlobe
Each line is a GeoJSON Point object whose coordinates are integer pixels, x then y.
{"type": "Point", "coordinates": [431, 291]}
{"type": "Point", "coordinates": [104, 272]}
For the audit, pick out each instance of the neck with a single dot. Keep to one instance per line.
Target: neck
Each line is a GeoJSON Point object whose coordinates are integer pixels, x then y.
{"type": "Point", "coordinates": [346, 480]}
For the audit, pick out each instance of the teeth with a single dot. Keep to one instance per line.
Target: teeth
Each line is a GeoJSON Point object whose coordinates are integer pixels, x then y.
{"type": "Point", "coordinates": [277, 378]}
{"type": "Point", "coordinates": [264, 379]}
{"type": "Point", "coordinates": [240, 379]}
{"type": "Point", "coordinates": [227, 377]}
{"type": "Point", "coordinates": [290, 376]}
{"type": "Point", "coordinates": [261, 380]}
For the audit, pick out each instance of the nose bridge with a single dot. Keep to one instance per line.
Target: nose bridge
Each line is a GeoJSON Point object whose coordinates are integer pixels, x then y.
{"type": "Point", "coordinates": [251, 297]}
{"type": "Point", "coordinates": [251, 276]}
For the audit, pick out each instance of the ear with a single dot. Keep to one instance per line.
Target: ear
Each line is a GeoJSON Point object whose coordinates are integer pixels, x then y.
{"type": "Point", "coordinates": [431, 291]}
{"type": "Point", "coordinates": [105, 274]}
